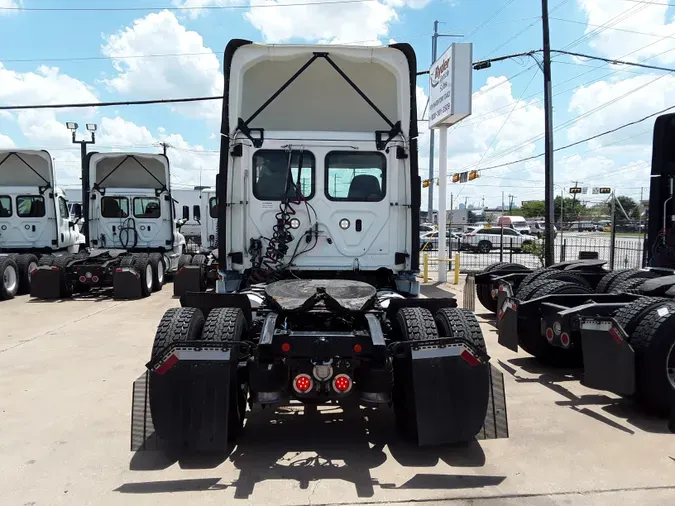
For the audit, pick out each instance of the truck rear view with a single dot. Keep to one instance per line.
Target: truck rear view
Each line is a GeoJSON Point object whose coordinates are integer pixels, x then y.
{"type": "Point", "coordinates": [316, 303]}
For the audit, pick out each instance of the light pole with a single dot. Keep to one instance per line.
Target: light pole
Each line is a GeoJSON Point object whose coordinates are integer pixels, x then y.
{"type": "Point", "coordinates": [91, 127]}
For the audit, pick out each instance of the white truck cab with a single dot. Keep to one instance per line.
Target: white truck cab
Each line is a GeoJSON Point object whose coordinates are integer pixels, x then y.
{"type": "Point", "coordinates": [34, 218]}
{"type": "Point", "coordinates": [319, 162]}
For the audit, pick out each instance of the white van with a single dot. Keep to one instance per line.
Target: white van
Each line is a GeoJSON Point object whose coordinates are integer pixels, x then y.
{"type": "Point", "coordinates": [518, 223]}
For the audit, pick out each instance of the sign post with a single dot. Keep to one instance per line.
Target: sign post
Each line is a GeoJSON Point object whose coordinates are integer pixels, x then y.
{"type": "Point", "coordinates": [449, 103]}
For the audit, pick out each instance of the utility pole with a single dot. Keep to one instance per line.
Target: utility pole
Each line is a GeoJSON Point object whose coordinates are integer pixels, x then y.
{"type": "Point", "coordinates": [511, 197]}
{"type": "Point", "coordinates": [548, 140]}
{"type": "Point", "coordinates": [164, 146]}
{"type": "Point", "coordinates": [91, 127]}
{"type": "Point", "coordinates": [611, 249]}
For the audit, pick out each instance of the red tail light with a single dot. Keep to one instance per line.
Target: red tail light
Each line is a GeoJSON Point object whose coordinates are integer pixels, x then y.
{"type": "Point", "coordinates": [302, 383]}
{"type": "Point", "coordinates": [285, 347]}
{"type": "Point", "coordinates": [82, 279]}
{"type": "Point", "coordinates": [342, 383]}
{"type": "Point", "coordinates": [565, 339]}
{"type": "Point", "coordinates": [469, 235]}
{"type": "Point", "coordinates": [94, 279]}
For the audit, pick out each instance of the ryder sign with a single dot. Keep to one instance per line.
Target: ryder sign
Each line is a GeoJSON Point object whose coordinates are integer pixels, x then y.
{"type": "Point", "coordinates": [450, 86]}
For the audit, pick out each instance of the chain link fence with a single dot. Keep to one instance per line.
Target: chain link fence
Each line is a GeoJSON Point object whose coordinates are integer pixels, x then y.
{"type": "Point", "coordinates": [624, 252]}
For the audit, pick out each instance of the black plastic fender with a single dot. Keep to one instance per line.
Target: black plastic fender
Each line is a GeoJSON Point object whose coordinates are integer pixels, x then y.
{"type": "Point", "coordinates": [189, 278]}
{"type": "Point", "coordinates": [126, 284]}
{"type": "Point", "coordinates": [507, 324]}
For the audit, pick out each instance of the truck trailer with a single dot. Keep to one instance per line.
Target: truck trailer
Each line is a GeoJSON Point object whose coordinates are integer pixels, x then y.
{"type": "Point", "coordinates": [317, 299]}
{"type": "Point", "coordinates": [35, 222]}
{"type": "Point", "coordinates": [130, 229]}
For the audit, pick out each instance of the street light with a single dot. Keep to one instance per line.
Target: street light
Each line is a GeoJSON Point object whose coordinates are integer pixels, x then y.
{"type": "Point", "coordinates": [91, 127]}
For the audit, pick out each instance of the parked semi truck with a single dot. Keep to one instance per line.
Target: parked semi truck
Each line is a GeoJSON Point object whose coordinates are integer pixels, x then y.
{"type": "Point", "coordinates": [34, 219]}
{"type": "Point", "coordinates": [130, 229]}
{"type": "Point", "coordinates": [619, 325]}
{"type": "Point", "coordinates": [317, 299]}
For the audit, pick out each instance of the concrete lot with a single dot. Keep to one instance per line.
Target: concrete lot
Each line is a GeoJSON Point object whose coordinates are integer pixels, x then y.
{"type": "Point", "coordinates": [66, 370]}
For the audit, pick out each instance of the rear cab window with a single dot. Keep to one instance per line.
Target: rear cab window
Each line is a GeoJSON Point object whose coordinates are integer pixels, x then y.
{"type": "Point", "coordinates": [271, 174]}
{"type": "Point", "coordinates": [355, 177]}
{"type": "Point", "coordinates": [146, 207]}
{"type": "Point", "coordinates": [30, 206]}
{"type": "Point", "coordinates": [213, 207]}
{"type": "Point", "coordinates": [5, 206]}
{"type": "Point", "coordinates": [114, 207]}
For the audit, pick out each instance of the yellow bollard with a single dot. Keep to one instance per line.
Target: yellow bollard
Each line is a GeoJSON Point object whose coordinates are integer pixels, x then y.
{"type": "Point", "coordinates": [425, 268]}
{"type": "Point", "coordinates": [456, 268]}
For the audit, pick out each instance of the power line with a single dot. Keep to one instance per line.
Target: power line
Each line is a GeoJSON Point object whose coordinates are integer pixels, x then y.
{"type": "Point", "coordinates": [179, 8]}
{"type": "Point", "coordinates": [614, 62]}
{"type": "Point", "coordinates": [108, 104]}
{"type": "Point", "coordinates": [612, 27]}
{"type": "Point", "coordinates": [567, 146]}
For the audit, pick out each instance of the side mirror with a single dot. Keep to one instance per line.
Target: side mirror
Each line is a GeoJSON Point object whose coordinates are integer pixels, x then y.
{"type": "Point", "coordinates": [186, 213]}
{"type": "Point", "coordinates": [77, 210]}
{"type": "Point", "coordinates": [197, 213]}
{"type": "Point", "coordinates": [180, 223]}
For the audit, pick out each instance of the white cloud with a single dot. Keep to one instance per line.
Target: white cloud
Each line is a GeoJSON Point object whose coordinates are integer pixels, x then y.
{"type": "Point", "coordinates": [10, 4]}
{"type": "Point", "coordinates": [6, 142]}
{"type": "Point", "coordinates": [632, 99]}
{"type": "Point", "coordinates": [321, 22]}
{"type": "Point", "coordinates": [647, 18]}
{"type": "Point", "coordinates": [195, 74]}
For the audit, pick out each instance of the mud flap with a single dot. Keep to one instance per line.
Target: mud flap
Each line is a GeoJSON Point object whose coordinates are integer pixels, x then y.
{"type": "Point", "coordinates": [452, 396]}
{"type": "Point", "coordinates": [507, 324]}
{"type": "Point", "coordinates": [609, 361]}
{"type": "Point", "coordinates": [184, 409]}
{"type": "Point", "coordinates": [126, 284]}
{"type": "Point", "coordinates": [190, 278]}
{"type": "Point", "coordinates": [46, 283]}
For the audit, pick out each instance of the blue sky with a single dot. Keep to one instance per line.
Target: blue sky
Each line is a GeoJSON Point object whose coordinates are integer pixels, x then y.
{"type": "Point", "coordinates": [76, 56]}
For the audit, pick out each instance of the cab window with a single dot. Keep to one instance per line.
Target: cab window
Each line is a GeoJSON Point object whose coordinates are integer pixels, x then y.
{"type": "Point", "coordinates": [5, 206]}
{"type": "Point", "coordinates": [355, 177]}
{"type": "Point", "coordinates": [271, 174]}
{"type": "Point", "coordinates": [146, 207]}
{"type": "Point", "coordinates": [63, 208]}
{"type": "Point", "coordinates": [213, 207]}
{"type": "Point", "coordinates": [30, 206]}
{"type": "Point", "coordinates": [114, 207]}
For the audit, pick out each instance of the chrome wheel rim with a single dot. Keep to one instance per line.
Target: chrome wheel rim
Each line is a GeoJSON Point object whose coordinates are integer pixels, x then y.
{"type": "Point", "coordinates": [9, 279]}
{"type": "Point", "coordinates": [148, 277]}
{"type": "Point", "coordinates": [31, 267]}
{"type": "Point", "coordinates": [160, 272]}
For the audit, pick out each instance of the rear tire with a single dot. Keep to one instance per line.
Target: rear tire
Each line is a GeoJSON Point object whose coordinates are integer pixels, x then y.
{"type": "Point", "coordinates": [228, 325]}
{"type": "Point", "coordinates": [184, 260]}
{"type": "Point", "coordinates": [198, 260]}
{"type": "Point", "coordinates": [158, 270]}
{"type": "Point", "coordinates": [167, 405]}
{"type": "Point", "coordinates": [144, 269]}
{"type": "Point", "coordinates": [9, 278]}
{"type": "Point", "coordinates": [415, 324]}
{"type": "Point", "coordinates": [27, 264]}
{"type": "Point", "coordinates": [61, 261]}
{"type": "Point", "coordinates": [484, 291]}
{"type": "Point", "coordinates": [484, 247]}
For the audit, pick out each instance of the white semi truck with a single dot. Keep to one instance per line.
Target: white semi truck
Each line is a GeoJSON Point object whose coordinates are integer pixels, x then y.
{"type": "Point", "coordinates": [34, 218]}
{"type": "Point", "coordinates": [130, 228]}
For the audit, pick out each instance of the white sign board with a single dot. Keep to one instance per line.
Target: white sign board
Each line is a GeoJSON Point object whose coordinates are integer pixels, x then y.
{"type": "Point", "coordinates": [450, 86]}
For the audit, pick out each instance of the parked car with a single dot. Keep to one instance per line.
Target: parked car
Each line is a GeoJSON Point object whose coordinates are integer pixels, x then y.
{"type": "Point", "coordinates": [484, 240]}
{"type": "Point", "coordinates": [517, 223]}
{"type": "Point", "coordinates": [429, 240]}
{"type": "Point", "coordinates": [426, 227]}
{"type": "Point", "coordinates": [537, 228]}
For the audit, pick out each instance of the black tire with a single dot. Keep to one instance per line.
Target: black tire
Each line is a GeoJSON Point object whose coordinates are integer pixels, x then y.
{"type": "Point", "coordinates": [628, 286]}
{"type": "Point", "coordinates": [198, 260]}
{"type": "Point", "coordinates": [631, 274]}
{"type": "Point", "coordinates": [62, 261]}
{"type": "Point", "coordinates": [529, 330]}
{"type": "Point", "coordinates": [558, 275]}
{"type": "Point", "coordinates": [631, 314]}
{"type": "Point", "coordinates": [167, 404]}
{"type": "Point", "coordinates": [185, 259]}
{"type": "Point", "coordinates": [26, 264]}
{"type": "Point", "coordinates": [46, 260]}
{"type": "Point", "coordinates": [128, 260]}
{"type": "Point", "coordinates": [461, 323]}
{"type": "Point", "coordinates": [144, 269]}
{"type": "Point", "coordinates": [229, 325]}
{"type": "Point", "coordinates": [529, 279]}
{"type": "Point", "coordinates": [484, 291]}
{"type": "Point", "coordinates": [484, 247]}
{"type": "Point", "coordinates": [607, 280]}
{"type": "Point", "coordinates": [158, 270]}
{"type": "Point", "coordinates": [9, 278]}
{"type": "Point", "coordinates": [414, 324]}
{"type": "Point", "coordinates": [654, 343]}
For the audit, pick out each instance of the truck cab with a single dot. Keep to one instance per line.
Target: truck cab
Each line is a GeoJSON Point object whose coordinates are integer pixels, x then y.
{"type": "Point", "coordinates": [34, 214]}
{"type": "Point", "coordinates": [322, 178]}
{"type": "Point", "coordinates": [129, 205]}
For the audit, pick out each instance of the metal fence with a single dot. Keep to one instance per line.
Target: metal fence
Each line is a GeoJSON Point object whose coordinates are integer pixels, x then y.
{"type": "Point", "coordinates": [623, 252]}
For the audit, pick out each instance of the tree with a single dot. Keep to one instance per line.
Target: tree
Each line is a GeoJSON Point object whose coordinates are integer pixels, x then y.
{"type": "Point", "coordinates": [572, 209]}
{"type": "Point", "coordinates": [533, 209]}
